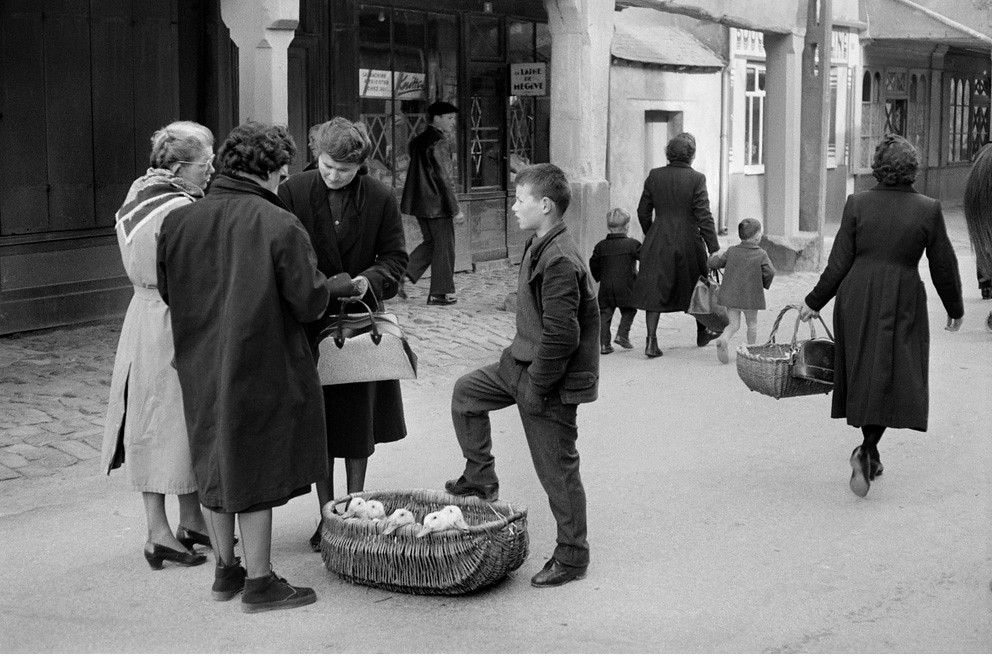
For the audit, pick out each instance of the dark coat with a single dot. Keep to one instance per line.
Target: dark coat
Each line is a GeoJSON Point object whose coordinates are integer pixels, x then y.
{"type": "Point", "coordinates": [557, 319]}
{"type": "Point", "coordinates": [240, 278]}
{"type": "Point", "coordinates": [369, 241]}
{"type": "Point", "coordinates": [880, 315]}
{"type": "Point", "coordinates": [748, 273]}
{"type": "Point", "coordinates": [678, 232]}
{"type": "Point", "coordinates": [429, 190]}
{"type": "Point", "coordinates": [614, 265]}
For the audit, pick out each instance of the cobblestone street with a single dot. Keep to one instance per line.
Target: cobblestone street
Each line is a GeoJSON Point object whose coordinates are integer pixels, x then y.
{"type": "Point", "coordinates": [54, 382]}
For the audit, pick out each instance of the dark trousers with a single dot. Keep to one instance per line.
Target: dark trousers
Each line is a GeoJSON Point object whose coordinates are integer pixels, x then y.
{"type": "Point", "coordinates": [437, 251]}
{"type": "Point", "coordinates": [606, 318]}
{"type": "Point", "coordinates": [551, 433]}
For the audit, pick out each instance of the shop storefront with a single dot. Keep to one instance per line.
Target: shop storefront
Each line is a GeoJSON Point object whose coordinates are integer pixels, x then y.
{"type": "Point", "coordinates": [390, 60]}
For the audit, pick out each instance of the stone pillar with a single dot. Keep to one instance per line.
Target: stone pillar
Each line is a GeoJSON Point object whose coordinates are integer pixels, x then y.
{"type": "Point", "coordinates": [262, 30]}
{"type": "Point", "coordinates": [581, 33]}
{"type": "Point", "coordinates": [815, 129]}
{"type": "Point", "coordinates": [783, 138]}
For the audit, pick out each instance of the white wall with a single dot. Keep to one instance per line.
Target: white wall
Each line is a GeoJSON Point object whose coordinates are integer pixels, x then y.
{"type": "Point", "coordinates": [636, 90]}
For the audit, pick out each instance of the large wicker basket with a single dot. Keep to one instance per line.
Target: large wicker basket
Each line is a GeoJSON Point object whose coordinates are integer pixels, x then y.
{"type": "Point", "coordinates": [446, 563]}
{"type": "Point", "coordinates": [767, 368]}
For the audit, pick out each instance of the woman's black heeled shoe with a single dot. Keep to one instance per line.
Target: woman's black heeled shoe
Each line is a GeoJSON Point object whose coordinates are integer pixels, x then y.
{"type": "Point", "coordinates": [187, 538]}
{"type": "Point", "coordinates": [158, 554]}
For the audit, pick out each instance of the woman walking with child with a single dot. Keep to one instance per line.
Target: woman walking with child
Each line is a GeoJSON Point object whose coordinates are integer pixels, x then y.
{"type": "Point", "coordinates": [748, 273]}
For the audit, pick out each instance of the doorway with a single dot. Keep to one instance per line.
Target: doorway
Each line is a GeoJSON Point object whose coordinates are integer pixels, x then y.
{"type": "Point", "coordinates": [659, 127]}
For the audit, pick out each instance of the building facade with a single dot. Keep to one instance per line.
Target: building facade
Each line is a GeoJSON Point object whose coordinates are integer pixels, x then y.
{"type": "Point", "coordinates": [595, 87]}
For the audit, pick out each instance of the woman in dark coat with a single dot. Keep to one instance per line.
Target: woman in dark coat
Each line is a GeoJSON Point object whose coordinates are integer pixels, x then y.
{"type": "Point", "coordinates": [677, 239]}
{"type": "Point", "coordinates": [978, 215]}
{"type": "Point", "coordinates": [240, 278]}
{"type": "Point", "coordinates": [881, 328]}
{"type": "Point", "coordinates": [356, 228]}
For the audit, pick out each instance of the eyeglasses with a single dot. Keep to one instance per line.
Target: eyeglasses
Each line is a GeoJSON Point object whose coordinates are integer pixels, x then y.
{"type": "Point", "coordinates": [205, 164]}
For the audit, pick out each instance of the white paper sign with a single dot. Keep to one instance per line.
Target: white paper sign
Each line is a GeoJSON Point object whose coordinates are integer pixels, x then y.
{"type": "Point", "coordinates": [374, 83]}
{"type": "Point", "coordinates": [528, 79]}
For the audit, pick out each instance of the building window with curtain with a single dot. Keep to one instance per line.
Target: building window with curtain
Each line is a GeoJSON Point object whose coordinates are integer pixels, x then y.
{"type": "Point", "coordinates": [754, 111]}
{"type": "Point", "coordinates": [968, 116]}
{"type": "Point", "coordinates": [407, 60]}
{"type": "Point", "coordinates": [872, 115]}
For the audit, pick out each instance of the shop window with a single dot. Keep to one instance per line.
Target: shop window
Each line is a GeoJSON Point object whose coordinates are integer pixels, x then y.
{"type": "Point", "coordinates": [872, 116]}
{"type": "Point", "coordinates": [968, 116]}
{"type": "Point", "coordinates": [754, 111]}
{"type": "Point", "coordinates": [407, 60]}
{"type": "Point", "coordinates": [528, 122]}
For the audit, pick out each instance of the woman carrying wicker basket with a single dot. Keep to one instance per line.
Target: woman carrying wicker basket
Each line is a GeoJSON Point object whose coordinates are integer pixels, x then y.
{"type": "Point", "coordinates": [880, 317]}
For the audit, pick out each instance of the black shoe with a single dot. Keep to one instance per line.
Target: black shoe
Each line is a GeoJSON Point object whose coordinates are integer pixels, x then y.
{"type": "Point", "coordinates": [315, 538]}
{"type": "Point", "coordinates": [623, 342]}
{"type": "Point", "coordinates": [157, 554]}
{"type": "Point", "coordinates": [605, 349]}
{"type": "Point", "coordinates": [860, 472]}
{"type": "Point", "coordinates": [874, 468]}
{"type": "Point", "coordinates": [229, 580]}
{"type": "Point", "coordinates": [557, 574]}
{"type": "Point", "coordinates": [986, 293]}
{"type": "Point", "coordinates": [651, 349]}
{"type": "Point", "coordinates": [187, 538]}
{"type": "Point", "coordinates": [703, 338]}
{"type": "Point", "coordinates": [462, 488]}
{"type": "Point", "coordinates": [272, 592]}
{"type": "Point", "coordinates": [444, 299]}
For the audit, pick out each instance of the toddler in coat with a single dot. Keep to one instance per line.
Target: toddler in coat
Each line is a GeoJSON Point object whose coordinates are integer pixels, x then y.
{"type": "Point", "coordinates": [748, 271]}
{"type": "Point", "coordinates": [614, 265]}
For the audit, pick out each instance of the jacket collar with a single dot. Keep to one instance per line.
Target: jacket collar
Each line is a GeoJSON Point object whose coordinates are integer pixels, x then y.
{"type": "Point", "coordinates": [679, 163]}
{"type": "Point", "coordinates": [901, 187]}
{"type": "Point", "coordinates": [537, 245]}
{"type": "Point", "coordinates": [232, 183]}
{"type": "Point", "coordinates": [615, 236]}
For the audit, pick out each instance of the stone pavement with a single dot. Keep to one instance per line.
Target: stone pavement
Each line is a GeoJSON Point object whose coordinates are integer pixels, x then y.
{"type": "Point", "coordinates": [54, 383]}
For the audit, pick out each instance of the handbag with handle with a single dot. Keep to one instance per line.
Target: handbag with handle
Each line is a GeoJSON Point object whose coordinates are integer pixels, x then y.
{"type": "Point", "coordinates": [364, 347]}
{"type": "Point", "coordinates": [704, 306]}
{"type": "Point", "coordinates": [813, 359]}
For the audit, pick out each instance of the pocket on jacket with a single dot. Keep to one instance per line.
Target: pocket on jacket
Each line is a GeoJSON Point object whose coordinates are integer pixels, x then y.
{"type": "Point", "coordinates": [579, 387]}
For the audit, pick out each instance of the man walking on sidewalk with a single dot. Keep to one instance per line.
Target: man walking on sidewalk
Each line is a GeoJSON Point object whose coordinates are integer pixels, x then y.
{"type": "Point", "coordinates": [429, 194]}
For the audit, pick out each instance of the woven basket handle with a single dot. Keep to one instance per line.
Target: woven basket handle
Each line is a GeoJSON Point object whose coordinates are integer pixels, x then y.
{"type": "Point", "coordinates": [812, 329]}
{"type": "Point", "coordinates": [778, 321]}
{"type": "Point", "coordinates": [499, 523]}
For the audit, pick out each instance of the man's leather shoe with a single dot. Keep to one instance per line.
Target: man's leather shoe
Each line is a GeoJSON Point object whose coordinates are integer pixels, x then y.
{"type": "Point", "coordinates": [462, 488]}
{"type": "Point", "coordinates": [441, 299]}
{"type": "Point", "coordinates": [703, 338]}
{"type": "Point", "coordinates": [605, 349]}
{"type": "Point", "coordinates": [557, 574]}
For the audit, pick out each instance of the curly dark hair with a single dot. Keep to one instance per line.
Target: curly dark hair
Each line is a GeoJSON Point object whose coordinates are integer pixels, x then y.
{"type": "Point", "coordinates": [681, 148]}
{"type": "Point", "coordinates": [256, 148]}
{"type": "Point", "coordinates": [895, 161]}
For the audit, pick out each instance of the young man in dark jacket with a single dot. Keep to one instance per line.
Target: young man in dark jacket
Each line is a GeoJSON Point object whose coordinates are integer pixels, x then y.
{"type": "Point", "coordinates": [551, 366]}
{"type": "Point", "coordinates": [429, 194]}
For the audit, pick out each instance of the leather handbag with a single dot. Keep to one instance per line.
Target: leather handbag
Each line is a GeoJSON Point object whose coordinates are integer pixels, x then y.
{"type": "Point", "coordinates": [364, 347]}
{"type": "Point", "coordinates": [813, 359]}
{"type": "Point", "coordinates": [704, 306]}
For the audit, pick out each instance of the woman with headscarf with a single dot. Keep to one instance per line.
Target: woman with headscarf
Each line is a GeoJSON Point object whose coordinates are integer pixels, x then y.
{"type": "Point", "coordinates": [674, 213]}
{"type": "Point", "coordinates": [881, 327]}
{"type": "Point", "coordinates": [145, 429]}
{"type": "Point", "coordinates": [356, 228]}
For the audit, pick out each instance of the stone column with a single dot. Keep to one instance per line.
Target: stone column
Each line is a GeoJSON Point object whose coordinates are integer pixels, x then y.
{"type": "Point", "coordinates": [262, 30]}
{"type": "Point", "coordinates": [581, 33]}
{"type": "Point", "coordinates": [783, 138]}
{"type": "Point", "coordinates": [815, 129]}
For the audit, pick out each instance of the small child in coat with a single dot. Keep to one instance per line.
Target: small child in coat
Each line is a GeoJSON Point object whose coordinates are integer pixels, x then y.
{"type": "Point", "coordinates": [748, 271]}
{"type": "Point", "coordinates": [614, 265]}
